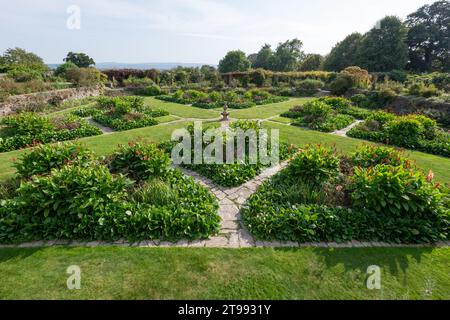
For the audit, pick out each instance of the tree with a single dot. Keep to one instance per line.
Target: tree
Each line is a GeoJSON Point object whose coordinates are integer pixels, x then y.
{"type": "Point", "coordinates": [312, 62]}
{"type": "Point", "coordinates": [429, 37]}
{"type": "Point", "coordinates": [14, 58]}
{"type": "Point", "coordinates": [252, 58]}
{"type": "Point", "coordinates": [384, 47]}
{"type": "Point", "coordinates": [288, 55]}
{"type": "Point", "coordinates": [62, 69]}
{"type": "Point", "coordinates": [264, 58]}
{"type": "Point", "coordinates": [82, 60]}
{"type": "Point", "coordinates": [234, 61]}
{"type": "Point", "coordinates": [344, 54]}
{"type": "Point", "coordinates": [86, 77]}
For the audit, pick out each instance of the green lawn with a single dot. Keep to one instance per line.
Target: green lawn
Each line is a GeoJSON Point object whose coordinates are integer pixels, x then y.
{"type": "Point", "coordinates": [133, 273]}
{"type": "Point", "coordinates": [181, 110]}
{"type": "Point", "coordinates": [105, 144]}
{"type": "Point", "coordinates": [267, 111]}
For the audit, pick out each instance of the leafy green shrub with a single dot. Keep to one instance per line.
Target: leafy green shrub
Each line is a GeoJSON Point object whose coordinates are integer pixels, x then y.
{"type": "Point", "coordinates": [381, 117]}
{"type": "Point", "coordinates": [337, 103]}
{"type": "Point", "coordinates": [315, 164]}
{"type": "Point", "coordinates": [86, 77]}
{"type": "Point", "coordinates": [152, 91]}
{"type": "Point", "coordinates": [47, 157]}
{"type": "Point", "coordinates": [316, 110]}
{"type": "Point", "coordinates": [87, 112]}
{"type": "Point", "coordinates": [379, 203]}
{"type": "Point", "coordinates": [138, 83]}
{"type": "Point", "coordinates": [27, 123]}
{"type": "Point", "coordinates": [126, 122]}
{"type": "Point", "coordinates": [27, 129]}
{"type": "Point", "coordinates": [370, 156]}
{"type": "Point", "coordinates": [318, 115]}
{"type": "Point", "coordinates": [405, 131]}
{"type": "Point", "coordinates": [408, 206]}
{"type": "Point", "coordinates": [140, 162]}
{"type": "Point", "coordinates": [69, 203]}
{"type": "Point", "coordinates": [341, 85]}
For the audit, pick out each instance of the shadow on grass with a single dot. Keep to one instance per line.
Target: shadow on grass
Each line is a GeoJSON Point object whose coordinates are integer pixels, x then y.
{"type": "Point", "coordinates": [394, 260]}
{"type": "Point", "coordinates": [7, 254]}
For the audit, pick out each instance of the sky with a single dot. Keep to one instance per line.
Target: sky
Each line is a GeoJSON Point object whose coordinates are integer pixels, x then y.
{"type": "Point", "coordinates": [188, 31]}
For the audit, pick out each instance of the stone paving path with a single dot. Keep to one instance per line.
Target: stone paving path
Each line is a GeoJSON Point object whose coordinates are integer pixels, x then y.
{"type": "Point", "coordinates": [343, 132]}
{"type": "Point", "coordinates": [105, 130]}
{"type": "Point", "coordinates": [233, 233]}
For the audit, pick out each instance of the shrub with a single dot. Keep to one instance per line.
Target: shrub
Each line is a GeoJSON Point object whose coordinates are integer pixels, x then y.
{"type": "Point", "coordinates": [28, 129]}
{"type": "Point", "coordinates": [333, 123]}
{"type": "Point", "coordinates": [360, 77]}
{"type": "Point", "coordinates": [308, 86]}
{"type": "Point", "coordinates": [62, 69]}
{"type": "Point", "coordinates": [138, 83]}
{"type": "Point", "coordinates": [27, 123]}
{"type": "Point", "coordinates": [381, 117]}
{"type": "Point", "coordinates": [11, 87]}
{"type": "Point", "coordinates": [405, 131]}
{"type": "Point", "coordinates": [85, 77]}
{"type": "Point", "coordinates": [342, 84]}
{"type": "Point", "coordinates": [316, 110]}
{"type": "Point", "coordinates": [315, 164]}
{"type": "Point", "coordinates": [337, 103]}
{"type": "Point", "coordinates": [258, 77]}
{"type": "Point", "coordinates": [406, 204]}
{"type": "Point", "coordinates": [140, 162]}
{"type": "Point", "coordinates": [420, 89]}
{"type": "Point", "coordinates": [47, 157]}
{"type": "Point", "coordinates": [152, 91]}
{"type": "Point", "coordinates": [370, 156]}
{"type": "Point", "coordinates": [398, 76]}
{"type": "Point", "coordinates": [69, 203]}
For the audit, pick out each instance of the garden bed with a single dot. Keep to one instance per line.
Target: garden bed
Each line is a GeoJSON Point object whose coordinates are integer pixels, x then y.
{"type": "Point", "coordinates": [237, 99]}
{"type": "Point", "coordinates": [415, 132]}
{"type": "Point", "coordinates": [326, 114]}
{"type": "Point", "coordinates": [63, 192]}
{"type": "Point", "coordinates": [122, 113]}
{"type": "Point", "coordinates": [238, 172]}
{"type": "Point", "coordinates": [28, 129]}
{"type": "Point", "coordinates": [376, 195]}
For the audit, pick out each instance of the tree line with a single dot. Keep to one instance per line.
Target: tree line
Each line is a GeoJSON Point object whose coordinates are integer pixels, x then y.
{"type": "Point", "coordinates": [421, 43]}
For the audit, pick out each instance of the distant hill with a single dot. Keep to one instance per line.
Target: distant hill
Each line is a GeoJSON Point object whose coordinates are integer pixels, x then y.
{"type": "Point", "coordinates": [149, 65]}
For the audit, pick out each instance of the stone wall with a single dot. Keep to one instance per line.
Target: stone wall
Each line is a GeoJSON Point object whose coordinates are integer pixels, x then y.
{"type": "Point", "coordinates": [29, 102]}
{"type": "Point", "coordinates": [402, 105]}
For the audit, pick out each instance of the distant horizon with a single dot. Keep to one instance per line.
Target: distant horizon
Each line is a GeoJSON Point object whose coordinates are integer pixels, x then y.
{"type": "Point", "coordinates": [140, 65]}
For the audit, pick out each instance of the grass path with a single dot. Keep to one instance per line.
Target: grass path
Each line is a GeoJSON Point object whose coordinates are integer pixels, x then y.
{"type": "Point", "coordinates": [185, 273]}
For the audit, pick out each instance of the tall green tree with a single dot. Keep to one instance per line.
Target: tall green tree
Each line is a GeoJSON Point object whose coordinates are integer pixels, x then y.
{"type": "Point", "coordinates": [20, 58]}
{"type": "Point", "coordinates": [288, 55]}
{"type": "Point", "coordinates": [344, 54]}
{"type": "Point", "coordinates": [384, 47]}
{"type": "Point", "coordinates": [82, 60]}
{"type": "Point", "coordinates": [429, 37]}
{"type": "Point", "coordinates": [234, 61]}
{"type": "Point", "coordinates": [312, 62]}
{"type": "Point", "coordinates": [264, 58]}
